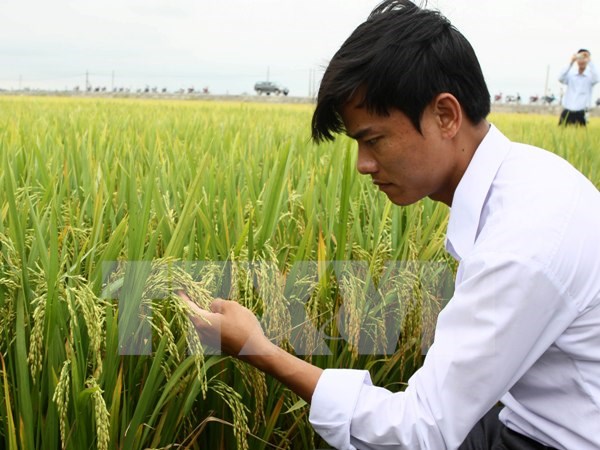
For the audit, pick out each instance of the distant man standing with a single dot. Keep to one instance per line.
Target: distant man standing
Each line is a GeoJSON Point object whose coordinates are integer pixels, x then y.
{"type": "Point", "coordinates": [579, 89]}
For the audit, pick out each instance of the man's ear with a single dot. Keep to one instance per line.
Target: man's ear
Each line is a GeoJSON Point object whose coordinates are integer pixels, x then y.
{"type": "Point", "coordinates": [449, 114]}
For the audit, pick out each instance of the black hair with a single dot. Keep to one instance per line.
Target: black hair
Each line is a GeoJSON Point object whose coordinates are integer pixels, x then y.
{"type": "Point", "coordinates": [581, 50]}
{"type": "Point", "coordinates": [403, 56]}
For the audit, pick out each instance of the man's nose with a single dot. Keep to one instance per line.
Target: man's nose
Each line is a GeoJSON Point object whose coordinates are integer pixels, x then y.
{"type": "Point", "coordinates": [365, 163]}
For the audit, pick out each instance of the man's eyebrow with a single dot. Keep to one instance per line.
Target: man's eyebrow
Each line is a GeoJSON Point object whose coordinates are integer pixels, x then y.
{"type": "Point", "coordinates": [359, 134]}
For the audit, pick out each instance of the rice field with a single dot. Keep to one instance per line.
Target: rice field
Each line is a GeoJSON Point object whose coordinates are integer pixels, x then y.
{"type": "Point", "coordinates": [108, 207]}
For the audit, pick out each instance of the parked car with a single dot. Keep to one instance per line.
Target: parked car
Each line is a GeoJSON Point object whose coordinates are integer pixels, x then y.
{"type": "Point", "coordinates": [269, 87]}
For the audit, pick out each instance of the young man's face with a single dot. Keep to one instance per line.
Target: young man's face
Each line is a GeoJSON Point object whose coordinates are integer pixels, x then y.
{"type": "Point", "coordinates": [406, 165]}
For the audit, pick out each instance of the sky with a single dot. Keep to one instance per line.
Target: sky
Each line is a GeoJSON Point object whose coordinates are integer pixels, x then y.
{"type": "Point", "coordinates": [228, 45]}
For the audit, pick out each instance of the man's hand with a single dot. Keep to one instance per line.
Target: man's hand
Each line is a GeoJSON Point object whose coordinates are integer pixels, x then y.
{"type": "Point", "coordinates": [581, 56]}
{"type": "Point", "coordinates": [230, 327]}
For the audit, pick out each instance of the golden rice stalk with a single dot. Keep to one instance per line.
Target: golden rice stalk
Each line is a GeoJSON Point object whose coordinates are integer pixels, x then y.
{"type": "Point", "coordinates": [36, 342]}
{"type": "Point", "coordinates": [163, 329]}
{"type": "Point", "coordinates": [196, 349]}
{"type": "Point", "coordinates": [242, 283]}
{"type": "Point", "coordinates": [93, 315]}
{"type": "Point", "coordinates": [377, 258]}
{"type": "Point", "coordinates": [353, 292]}
{"type": "Point", "coordinates": [212, 277]}
{"type": "Point", "coordinates": [255, 382]}
{"type": "Point", "coordinates": [419, 301]}
{"type": "Point", "coordinates": [235, 402]}
{"type": "Point", "coordinates": [71, 307]}
{"type": "Point", "coordinates": [430, 300]}
{"type": "Point", "coordinates": [39, 287]}
{"type": "Point", "coordinates": [10, 268]}
{"type": "Point", "coordinates": [276, 318]}
{"type": "Point", "coordinates": [101, 414]}
{"type": "Point", "coordinates": [318, 314]}
{"type": "Point", "coordinates": [61, 398]}
{"type": "Point", "coordinates": [259, 285]}
{"type": "Point", "coordinates": [306, 319]}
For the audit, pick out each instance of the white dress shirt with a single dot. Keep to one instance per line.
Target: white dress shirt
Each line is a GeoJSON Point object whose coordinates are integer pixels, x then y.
{"type": "Point", "coordinates": [522, 327]}
{"type": "Point", "coordinates": [579, 87]}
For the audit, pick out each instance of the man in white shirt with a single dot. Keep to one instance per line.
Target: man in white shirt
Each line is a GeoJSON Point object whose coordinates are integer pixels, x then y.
{"type": "Point", "coordinates": [523, 325]}
{"type": "Point", "coordinates": [580, 84]}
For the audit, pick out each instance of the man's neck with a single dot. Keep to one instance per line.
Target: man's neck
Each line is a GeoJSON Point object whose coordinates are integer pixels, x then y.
{"type": "Point", "coordinates": [466, 145]}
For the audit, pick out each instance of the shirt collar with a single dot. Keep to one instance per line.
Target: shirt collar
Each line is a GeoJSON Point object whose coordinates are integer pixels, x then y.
{"type": "Point", "coordinates": [471, 193]}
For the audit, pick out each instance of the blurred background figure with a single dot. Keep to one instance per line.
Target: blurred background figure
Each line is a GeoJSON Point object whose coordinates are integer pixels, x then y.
{"type": "Point", "coordinates": [580, 83]}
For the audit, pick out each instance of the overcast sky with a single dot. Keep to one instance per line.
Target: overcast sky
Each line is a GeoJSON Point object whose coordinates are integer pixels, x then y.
{"type": "Point", "coordinates": [227, 45]}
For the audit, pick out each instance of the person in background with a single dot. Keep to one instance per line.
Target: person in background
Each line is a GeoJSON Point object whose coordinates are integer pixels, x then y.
{"type": "Point", "coordinates": [515, 362]}
{"type": "Point", "coordinates": [580, 83]}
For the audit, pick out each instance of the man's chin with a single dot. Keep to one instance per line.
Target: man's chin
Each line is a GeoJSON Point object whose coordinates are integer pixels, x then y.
{"type": "Point", "coordinates": [401, 201]}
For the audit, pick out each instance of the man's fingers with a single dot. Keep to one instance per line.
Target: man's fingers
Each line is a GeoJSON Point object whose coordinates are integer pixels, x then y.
{"type": "Point", "coordinates": [204, 320]}
{"type": "Point", "coordinates": [195, 308]}
{"type": "Point", "coordinates": [217, 305]}
{"type": "Point", "coordinates": [183, 295]}
{"type": "Point", "coordinates": [188, 301]}
{"type": "Point", "coordinates": [200, 317]}
{"type": "Point", "coordinates": [207, 324]}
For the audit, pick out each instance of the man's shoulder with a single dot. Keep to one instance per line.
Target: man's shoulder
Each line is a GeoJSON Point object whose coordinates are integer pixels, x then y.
{"type": "Point", "coordinates": [531, 203]}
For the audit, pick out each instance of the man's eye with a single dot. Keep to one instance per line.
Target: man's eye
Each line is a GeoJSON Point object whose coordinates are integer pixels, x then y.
{"type": "Point", "coordinates": [372, 141]}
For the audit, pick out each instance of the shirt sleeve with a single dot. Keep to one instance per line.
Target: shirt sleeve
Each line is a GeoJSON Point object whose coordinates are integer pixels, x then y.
{"type": "Point", "coordinates": [564, 74]}
{"type": "Point", "coordinates": [333, 403]}
{"type": "Point", "coordinates": [593, 72]}
{"type": "Point", "coordinates": [504, 315]}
